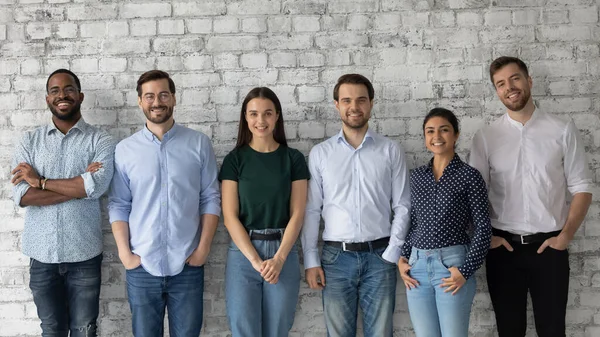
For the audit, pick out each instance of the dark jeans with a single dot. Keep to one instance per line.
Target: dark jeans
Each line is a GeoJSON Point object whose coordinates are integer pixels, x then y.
{"type": "Point", "coordinates": [510, 275]}
{"type": "Point", "coordinates": [181, 295]}
{"type": "Point", "coordinates": [67, 296]}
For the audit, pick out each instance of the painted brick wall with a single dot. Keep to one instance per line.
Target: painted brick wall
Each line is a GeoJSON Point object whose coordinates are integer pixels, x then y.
{"type": "Point", "coordinates": [418, 53]}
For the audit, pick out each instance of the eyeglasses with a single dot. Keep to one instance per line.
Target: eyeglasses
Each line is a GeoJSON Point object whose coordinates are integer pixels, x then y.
{"type": "Point", "coordinates": [68, 91]}
{"type": "Point", "coordinates": [163, 97]}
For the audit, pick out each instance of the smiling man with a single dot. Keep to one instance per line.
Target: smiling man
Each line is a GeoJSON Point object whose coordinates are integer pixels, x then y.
{"type": "Point", "coordinates": [60, 172]}
{"type": "Point", "coordinates": [360, 187]}
{"type": "Point", "coordinates": [164, 206]}
{"type": "Point", "coordinates": [530, 161]}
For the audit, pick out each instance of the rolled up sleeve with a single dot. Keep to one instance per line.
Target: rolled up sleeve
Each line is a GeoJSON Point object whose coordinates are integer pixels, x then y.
{"type": "Point", "coordinates": [97, 183]}
{"type": "Point", "coordinates": [210, 196]}
{"type": "Point", "coordinates": [21, 155]}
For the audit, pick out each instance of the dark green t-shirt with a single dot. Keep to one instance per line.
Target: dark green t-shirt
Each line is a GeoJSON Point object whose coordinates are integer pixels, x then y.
{"type": "Point", "coordinates": [264, 184]}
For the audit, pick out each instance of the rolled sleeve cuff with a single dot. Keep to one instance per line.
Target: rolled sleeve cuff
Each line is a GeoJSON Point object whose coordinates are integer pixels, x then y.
{"type": "Point", "coordinates": [19, 192]}
{"type": "Point", "coordinates": [311, 259]}
{"type": "Point", "coordinates": [117, 215]}
{"type": "Point", "coordinates": [88, 184]}
{"type": "Point", "coordinates": [580, 188]}
{"type": "Point", "coordinates": [392, 254]}
{"type": "Point", "coordinates": [214, 209]}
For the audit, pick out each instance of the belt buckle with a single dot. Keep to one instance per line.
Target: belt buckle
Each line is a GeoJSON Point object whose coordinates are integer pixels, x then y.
{"type": "Point", "coordinates": [344, 246]}
{"type": "Point", "coordinates": [523, 241]}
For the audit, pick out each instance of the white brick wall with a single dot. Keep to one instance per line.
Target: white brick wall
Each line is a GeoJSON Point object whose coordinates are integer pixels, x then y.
{"type": "Point", "coordinates": [419, 54]}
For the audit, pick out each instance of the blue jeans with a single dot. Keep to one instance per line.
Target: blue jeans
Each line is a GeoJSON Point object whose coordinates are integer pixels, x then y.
{"type": "Point", "coordinates": [358, 278]}
{"type": "Point", "coordinates": [433, 312]}
{"type": "Point", "coordinates": [255, 307]}
{"type": "Point", "coordinates": [181, 294]}
{"type": "Point", "coordinates": [67, 296]}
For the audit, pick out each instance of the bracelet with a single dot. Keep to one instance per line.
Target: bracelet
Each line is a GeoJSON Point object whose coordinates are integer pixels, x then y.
{"type": "Point", "coordinates": [40, 181]}
{"type": "Point", "coordinates": [44, 183]}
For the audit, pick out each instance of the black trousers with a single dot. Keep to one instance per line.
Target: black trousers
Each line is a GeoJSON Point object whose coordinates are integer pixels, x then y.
{"type": "Point", "coordinates": [510, 275]}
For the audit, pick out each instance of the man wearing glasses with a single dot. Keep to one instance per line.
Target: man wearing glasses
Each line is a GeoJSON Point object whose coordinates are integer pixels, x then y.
{"type": "Point", "coordinates": [60, 172]}
{"type": "Point", "coordinates": [164, 206]}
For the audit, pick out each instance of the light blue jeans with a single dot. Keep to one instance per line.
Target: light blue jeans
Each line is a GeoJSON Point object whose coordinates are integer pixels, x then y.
{"type": "Point", "coordinates": [433, 312]}
{"type": "Point", "coordinates": [255, 307]}
{"type": "Point", "coordinates": [353, 279]}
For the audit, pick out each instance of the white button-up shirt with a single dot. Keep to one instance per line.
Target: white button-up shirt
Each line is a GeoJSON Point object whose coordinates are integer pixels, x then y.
{"type": "Point", "coordinates": [529, 169]}
{"type": "Point", "coordinates": [356, 191]}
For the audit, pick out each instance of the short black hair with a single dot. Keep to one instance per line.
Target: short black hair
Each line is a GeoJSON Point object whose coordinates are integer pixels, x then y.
{"type": "Point", "coordinates": [445, 114]}
{"type": "Point", "coordinates": [64, 71]}
{"type": "Point", "coordinates": [503, 61]}
{"type": "Point", "coordinates": [353, 79]}
{"type": "Point", "coordinates": [154, 75]}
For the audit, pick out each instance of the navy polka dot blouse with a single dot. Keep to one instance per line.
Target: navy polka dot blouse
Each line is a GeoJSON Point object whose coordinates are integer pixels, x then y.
{"type": "Point", "coordinates": [445, 211]}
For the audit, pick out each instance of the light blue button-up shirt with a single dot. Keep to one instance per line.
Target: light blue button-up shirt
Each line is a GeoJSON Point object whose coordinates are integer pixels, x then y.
{"type": "Point", "coordinates": [356, 191]}
{"type": "Point", "coordinates": [69, 231]}
{"type": "Point", "coordinates": [162, 188]}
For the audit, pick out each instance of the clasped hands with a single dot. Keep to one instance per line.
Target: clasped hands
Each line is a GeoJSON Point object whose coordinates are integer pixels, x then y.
{"type": "Point", "coordinates": [269, 269]}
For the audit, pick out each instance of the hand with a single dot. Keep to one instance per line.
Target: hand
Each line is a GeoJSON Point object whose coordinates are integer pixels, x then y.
{"type": "Point", "coordinates": [315, 277]}
{"type": "Point", "coordinates": [257, 264]}
{"type": "Point", "coordinates": [198, 257]}
{"type": "Point", "coordinates": [93, 167]}
{"type": "Point", "coordinates": [498, 241]}
{"type": "Point", "coordinates": [130, 260]}
{"type": "Point", "coordinates": [454, 282]}
{"type": "Point", "coordinates": [559, 242]}
{"type": "Point", "coordinates": [271, 269]}
{"type": "Point", "coordinates": [26, 172]}
{"type": "Point", "coordinates": [404, 268]}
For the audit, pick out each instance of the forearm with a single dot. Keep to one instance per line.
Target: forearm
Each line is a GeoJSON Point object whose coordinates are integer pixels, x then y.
{"type": "Point", "coordinates": [241, 238]}
{"type": "Point", "coordinates": [120, 230]}
{"type": "Point", "coordinates": [577, 211]}
{"type": "Point", "coordinates": [292, 230]}
{"type": "Point", "coordinates": [72, 187]}
{"type": "Point", "coordinates": [37, 197]}
{"type": "Point", "coordinates": [209, 228]}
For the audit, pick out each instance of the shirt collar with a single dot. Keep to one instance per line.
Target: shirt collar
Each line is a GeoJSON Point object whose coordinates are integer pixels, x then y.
{"type": "Point", "coordinates": [80, 125]}
{"type": "Point", "coordinates": [150, 136]}
{"type": "Point", "coordinates": [368, 135]}
{"type": "Point", "coordinates": [453, 165]}
{"type": "Point", "coordinates": [535, 115]}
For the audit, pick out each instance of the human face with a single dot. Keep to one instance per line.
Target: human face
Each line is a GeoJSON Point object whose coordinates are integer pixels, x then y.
{"type": "Point", "coordinates": [440, 136]}
{"type": "Point", "coordinates": [63, 98]}
{"type": "Point", "coordinates": [354, 105]}
{"type": "Point", "coordinates": [262, 117]}
{"type": "Point", "coordinates": [513, 87]}
{"type": "Point", "coordinates": [157, 101]}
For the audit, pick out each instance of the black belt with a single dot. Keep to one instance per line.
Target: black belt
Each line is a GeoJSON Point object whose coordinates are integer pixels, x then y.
{"type": "Point", "coordinates": [360, 246]}
{"type": "Point", "coordinates": [524, 239]}
{"type": "Point", "coordinates": [265, 237]}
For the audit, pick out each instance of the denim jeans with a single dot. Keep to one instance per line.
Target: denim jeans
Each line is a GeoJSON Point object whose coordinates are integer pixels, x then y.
{"type": "Point", "coordinates": [67, 296]}
{"type": "Point", "coordinates": [433, 312]}
{"type": "Point", "coordinates": [181, 295]}
{"type": "Point", "coordinates": [353, 279]}
{"type": "Point", "coordinates": [255, 307]}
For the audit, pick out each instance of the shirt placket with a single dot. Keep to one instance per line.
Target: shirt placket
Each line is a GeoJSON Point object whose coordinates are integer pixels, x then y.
{"type": "Point", "coordinates": [356, 190]}
{"type": "Point", "coordinates": [59, 210]}
{"type": "Point", "coordinates": [164, 206]}
{"type": "Point", "coordinates": [525, 174]}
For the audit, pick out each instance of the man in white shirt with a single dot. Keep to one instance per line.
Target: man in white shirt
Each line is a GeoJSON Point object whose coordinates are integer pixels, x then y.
{"type": "Point", "coordinates": [530, 160]}
{"type": "Point", "coordinates": [358, 179]}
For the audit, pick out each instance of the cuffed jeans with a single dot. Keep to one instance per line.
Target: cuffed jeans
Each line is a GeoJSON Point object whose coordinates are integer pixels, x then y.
{"type": "Point", "coordinates": [67, 296]}
{"type": "Point", "coordinates": [255, 307]}
{"type": "Point", "coordinates": [434, 312]}
{"type": "Point", "coordinates": [181, 295]}
{"type": "Point", "coordinates": [353, 279]}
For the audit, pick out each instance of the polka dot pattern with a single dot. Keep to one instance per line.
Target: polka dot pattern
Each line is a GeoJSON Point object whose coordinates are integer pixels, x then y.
{"type": "Point", "coordinates": [451, 211]}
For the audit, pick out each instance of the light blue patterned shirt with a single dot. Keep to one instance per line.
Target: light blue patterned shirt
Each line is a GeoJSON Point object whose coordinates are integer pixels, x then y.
{"type": "Point", "coordinates": [68, 231]}
{"type": "Point", "coordinates": [162, 189]}
{"type": "Point", "coordinates": [357, 191]}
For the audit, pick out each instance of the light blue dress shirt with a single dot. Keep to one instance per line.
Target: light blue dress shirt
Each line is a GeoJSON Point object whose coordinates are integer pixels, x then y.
{"type": "Point", "coordinates": [69, 231]}
{"type": "Point", "coordinates": [356, 191]}
{"type": "Point", "coordinates": [162, 188]}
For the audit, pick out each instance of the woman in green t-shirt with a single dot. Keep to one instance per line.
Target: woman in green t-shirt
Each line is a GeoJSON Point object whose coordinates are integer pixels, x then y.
{"type": "Point", "coordinates": [264, 188]}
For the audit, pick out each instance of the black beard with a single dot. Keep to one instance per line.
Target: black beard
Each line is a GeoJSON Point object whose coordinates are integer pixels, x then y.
{"type": "Point", "coordinates": [68, 116]}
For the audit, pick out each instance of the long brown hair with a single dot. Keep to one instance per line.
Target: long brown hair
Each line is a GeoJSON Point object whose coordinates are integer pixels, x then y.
{"type": "Point", "coordinates": [244, 134]}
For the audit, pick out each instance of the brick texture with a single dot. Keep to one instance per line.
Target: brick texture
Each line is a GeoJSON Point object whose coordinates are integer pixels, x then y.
{"type": "Point", "coordinates": [419, 54]}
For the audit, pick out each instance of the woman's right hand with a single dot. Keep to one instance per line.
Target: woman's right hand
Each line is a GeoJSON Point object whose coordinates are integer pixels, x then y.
{"type": "Point", "coordinates": [404, 268]}
{"type": "Point", "coordinates": [257, 264]}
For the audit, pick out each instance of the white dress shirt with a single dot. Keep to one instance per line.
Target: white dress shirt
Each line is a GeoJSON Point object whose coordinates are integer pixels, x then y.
{"type": "Point", "coordinates": [529, 169]}
{"type": "Point", "coordinates": [356, 190]}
